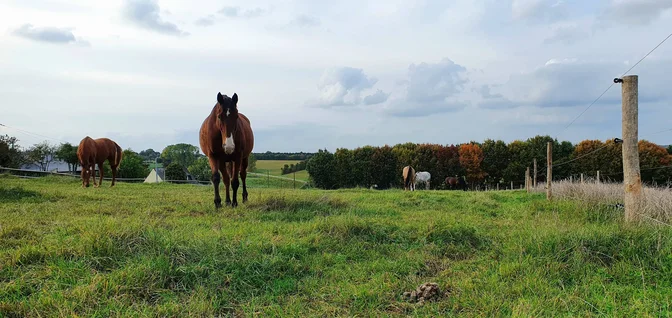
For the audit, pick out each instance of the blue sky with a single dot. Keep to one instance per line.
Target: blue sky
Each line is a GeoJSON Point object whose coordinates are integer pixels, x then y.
{"type": "Point", "coordinates": [317, 74]}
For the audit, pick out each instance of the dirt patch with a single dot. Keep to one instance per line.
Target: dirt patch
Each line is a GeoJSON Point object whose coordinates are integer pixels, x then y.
{"type": "Point", "coordinates": [425, 292]}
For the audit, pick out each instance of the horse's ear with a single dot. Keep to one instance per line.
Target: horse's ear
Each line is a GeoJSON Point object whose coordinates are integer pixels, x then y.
{"type": "Point", "coordinates": [234, 98]}
{"type": "Point", "coordinates": [220, 98]}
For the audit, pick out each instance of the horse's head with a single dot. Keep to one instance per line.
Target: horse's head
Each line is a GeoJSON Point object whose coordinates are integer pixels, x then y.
{"type": "Point", "coordinates": [227, 118]}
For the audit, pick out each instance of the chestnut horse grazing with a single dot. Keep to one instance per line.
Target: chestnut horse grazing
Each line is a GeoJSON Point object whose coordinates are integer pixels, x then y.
{"type": "Point", "coordinates": [95, 151]}
{"type": "Point", "coordinates": [226, 137]}
{"type": "Point", "coordinates": [456, 182]}
{"type": "Point", "coordinates": [409, 178]}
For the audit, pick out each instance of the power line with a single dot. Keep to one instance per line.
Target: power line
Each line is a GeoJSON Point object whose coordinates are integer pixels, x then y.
{"type": "Point", "coordinates": [655, 133]}
{"type": "Point", "coordinates": [612, 84]}
{"type": "Point", "coordinates": [581, 156]}
{"type": "Point", "coordinates": [33, 134]}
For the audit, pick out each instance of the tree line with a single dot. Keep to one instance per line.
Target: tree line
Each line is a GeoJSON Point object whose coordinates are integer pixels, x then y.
{"type": "Point", "coordinates": [282, 155]}
{"type": "Point", "coordinates": [289, 168]}
{"type": "Point", "coordinates": [487, 162]}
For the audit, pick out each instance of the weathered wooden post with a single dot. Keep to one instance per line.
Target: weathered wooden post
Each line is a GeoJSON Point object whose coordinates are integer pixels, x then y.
{"type": "Point", "coordinates": [549, 170]}
{"type": "Point", "coordinates": [512, 186]}
{"type": "Point", "coordinates": [632, 180]}
{"type": "Point", "coordinates": [534, 182]}
{"type": "Point", "coordinates": [527, 180]}
{"type": "Point", "coordinates": [597, 179]}
{"type": "Point", "coordinates": [582, 178]}
{"type": "Point", "coordinates": [497, 186]}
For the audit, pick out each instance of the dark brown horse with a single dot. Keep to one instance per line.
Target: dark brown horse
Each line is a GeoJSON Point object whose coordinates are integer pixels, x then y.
{"type": "Point", "coordinates": [226, 137]}
{"type": "Point", "coordinates": [456, 182]}
{"type": "Point", "coordinates": [95, 151]}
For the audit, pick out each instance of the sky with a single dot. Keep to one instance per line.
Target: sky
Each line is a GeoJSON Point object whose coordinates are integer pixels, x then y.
{"type": "Point", "coordinates": [328, 74]}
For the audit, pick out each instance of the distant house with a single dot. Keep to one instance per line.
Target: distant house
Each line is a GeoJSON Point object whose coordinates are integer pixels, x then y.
{"type": "Point", "coordinates": [156, 176]}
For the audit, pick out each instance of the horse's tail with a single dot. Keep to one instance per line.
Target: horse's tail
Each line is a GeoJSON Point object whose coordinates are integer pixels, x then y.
{"type": "Point", "coordinates": [118, 153]}
{"type": "Point", "coordinates": [407, 179]}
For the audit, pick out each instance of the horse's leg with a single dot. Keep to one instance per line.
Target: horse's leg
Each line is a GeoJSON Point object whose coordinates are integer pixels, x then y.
{"type": "Point", "coordinates": [235, 183]}
{"type": "Point", "coordinates": [227, 181]}
{"type": "Point", "coordinates": [114, 174]}
{"type": "Point", "coordinates": [214, 168]}
{"type": "Point", "coordinates": [84, 183]}
{"type": "Point", "coordinates": [100, 169]}
{"type": "Point", "coordinates": [243, 177]}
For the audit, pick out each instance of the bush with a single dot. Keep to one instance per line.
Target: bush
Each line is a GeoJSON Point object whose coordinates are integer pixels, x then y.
{"type": "Point", "coordinates": [320, 169]}
{"type": "Point", "coordinates": [175, 172]}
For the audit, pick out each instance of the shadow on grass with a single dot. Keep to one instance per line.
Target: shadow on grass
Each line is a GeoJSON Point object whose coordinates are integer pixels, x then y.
{"type": "Point", "coordinates": [18, 194]}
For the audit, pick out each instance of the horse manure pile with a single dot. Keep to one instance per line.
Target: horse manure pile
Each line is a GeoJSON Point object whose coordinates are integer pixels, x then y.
{"type": "Point", "coordinates": [424, 292]}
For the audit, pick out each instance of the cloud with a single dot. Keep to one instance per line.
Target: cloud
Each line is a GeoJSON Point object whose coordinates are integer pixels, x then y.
{"type": "Point", "coordinates": [206, 21]}
{"type": "Point", "coordinates": [431, 88]}
{"type": "Point", "coordinates": [145, 14]}
{"type": "Point", "coordinates": [306, 21]}
{"type": "Point", "coordinates": [565, 34]}
{"type": "Point", "coordinates": [492, 101]}
{"type": "Point", "coordinates": [343, 86]}
{"type": "Point", "coordinates": [572, 82]}
{"type": "Point", "coordinates": [636, 12]}
{"type": "Point", "coordinates": [538, 11]}
{"type": "Point", "coordinates": [48, 34]}
{"type": "Point", "coordinates": [376, 98]}
{"type": "Point", "coordinates": [237, 12]}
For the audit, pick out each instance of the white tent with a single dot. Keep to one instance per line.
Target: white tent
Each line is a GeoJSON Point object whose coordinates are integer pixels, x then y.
{"type": "Point", "coordinates": [155, 177]}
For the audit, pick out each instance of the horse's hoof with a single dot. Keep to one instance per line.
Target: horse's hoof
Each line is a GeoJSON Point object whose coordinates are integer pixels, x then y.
{"type": "Point", "coordinates": [234, 204]}
{"type": "Point", "coordinates": [228, 203]}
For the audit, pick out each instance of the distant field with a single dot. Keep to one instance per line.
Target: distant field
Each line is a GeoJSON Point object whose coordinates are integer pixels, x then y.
{"type": "Point", "coordinates": [274, 166]}
{"type": "Point", "coordinates": [162, 250]}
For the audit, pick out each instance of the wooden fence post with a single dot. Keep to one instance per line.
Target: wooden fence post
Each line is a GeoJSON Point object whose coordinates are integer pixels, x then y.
{"type": "Point", "coordinates": [549, 170]}
{"type": "Point", "coordinates": [631, 174]}
{"type": "Point", "coordinates": [534, 182]}
{"type": "Point", "coordinates": [597, 179]}
{"type": "Point", "coordinates": [512, 186]}
{"type": "Point", "coordinates": [582, 178]}
{"type": "Point", "coordinates": [527, 179]}
{"type": "Point", "coordinates": [497, 186]}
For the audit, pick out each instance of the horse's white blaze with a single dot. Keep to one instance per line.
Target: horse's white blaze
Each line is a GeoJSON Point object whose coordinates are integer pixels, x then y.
{"type": "Point", "coordinates": [229, 146]}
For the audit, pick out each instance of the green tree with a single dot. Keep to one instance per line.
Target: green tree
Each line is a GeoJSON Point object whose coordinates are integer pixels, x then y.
{"type": "Point", "coordinates": [183, 154]}
{"type": "Point", "coordinates": [669, 149]}
{"type": "Point", "coordinates": [343, 175]}
{"type": "Point", "coordinates": [149, 154]}
{"type": "Point", "coordinates": [10, 152]}
{"type": "Point", "coordinates": [320, 169]}
{"type": "Point", "coordinates": [42, 155]}
{"type": "Point", "coordinates": [361, 167]}
{"type": "Point", "coordinates": [201, 169]}
{"type": "Point", "coordinates": [251, 162]}
{"type": "Point", "coordinates": [496, 158]}
{"type": "Point", "coordinates": [132, 165]}
{"type": "Point", "coordinates": [384, 164]}
{"type": "Point", "coordinates": [174, 171]}
{"type": "Point", "coordinates": [68, 153]}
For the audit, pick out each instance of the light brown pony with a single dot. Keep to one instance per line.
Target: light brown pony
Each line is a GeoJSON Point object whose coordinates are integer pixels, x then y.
{"type": "Point", "coordinates": [226, 137]}
{"type": "Point", "coordinates": [409, 178]}
{"type": "Point", "coordinates": [95, 151]}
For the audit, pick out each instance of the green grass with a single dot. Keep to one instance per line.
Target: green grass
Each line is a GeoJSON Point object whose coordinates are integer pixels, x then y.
{"type": "Point", "coordinates": [162, 250]}
{"type": "Point", "coordinates": [274, 166]}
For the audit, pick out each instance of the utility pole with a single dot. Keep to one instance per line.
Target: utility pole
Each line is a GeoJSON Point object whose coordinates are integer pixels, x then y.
{"type": "Point", "coordinates": [632, 180]}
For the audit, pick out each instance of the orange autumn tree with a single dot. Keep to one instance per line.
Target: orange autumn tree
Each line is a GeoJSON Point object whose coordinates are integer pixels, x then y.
{"type": "Point", "coordinates": [471, 157]}
{"type": "Point", "coordinates": [652, 159]}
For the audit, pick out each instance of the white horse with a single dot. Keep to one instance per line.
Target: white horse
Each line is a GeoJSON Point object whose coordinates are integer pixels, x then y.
{"type": "Point", "coordinates": [423, 177]}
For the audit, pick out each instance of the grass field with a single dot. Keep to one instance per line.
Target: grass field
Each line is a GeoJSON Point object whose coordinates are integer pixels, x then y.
{"type": "Point", "coordinates": [162, 250]}
{"type": "Point", "coordinates": [274, 166]}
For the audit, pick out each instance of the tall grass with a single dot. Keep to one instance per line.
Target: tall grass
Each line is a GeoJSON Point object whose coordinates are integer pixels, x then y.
{"type": "Point", "coordinates": [656, 202]}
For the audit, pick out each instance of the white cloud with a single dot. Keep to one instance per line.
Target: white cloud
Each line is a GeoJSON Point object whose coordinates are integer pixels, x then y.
{"type": "Point", "coordinates": [637, 12]}
{"type": "Point", "coordinates": [145, 14]}
{"type": "Point", "coordinates": [343, 86]}
{"type": "Point", "coordinates": [48, 34]}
